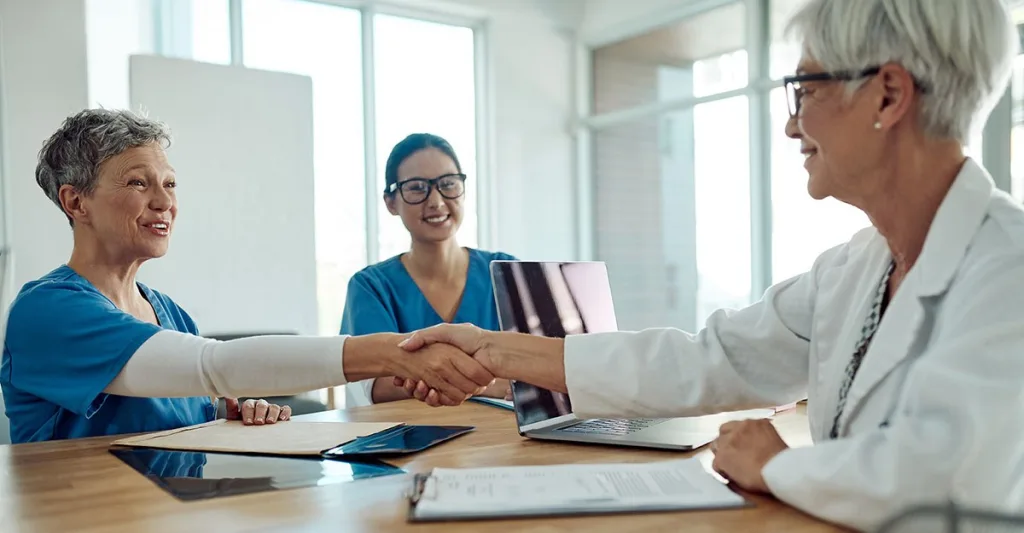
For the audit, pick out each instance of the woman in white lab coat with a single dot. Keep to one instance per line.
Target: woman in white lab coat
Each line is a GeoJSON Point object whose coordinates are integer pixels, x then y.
{"type": "Point", "coordinates": [908, 341]}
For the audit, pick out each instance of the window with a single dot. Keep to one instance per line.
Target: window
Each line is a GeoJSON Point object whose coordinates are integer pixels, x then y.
{"type": "Point", "coordinates": [680, 175]}
{"type": "Point", "coordinates": [784, 53]}
{"type": "Point", "coordinates": [721, 186]}
{"type": "Point", "coordinates": [324, 43]}
{"type": "Point", "coordinates": [1017, 131]}
{"type": "Point", "coordinates": [211, 31]}
{"type": "Point", "coordinates": [625, 73]}
{"type": "Point", "coordinates": [115, 30]}
{"type": "Point", "coordinates": [425, 83]}
{"type": "Point", "coordinates": [118, 29]}
{"type": "Point", "coordinates": [802, 227]}
{"type": "Point", "coordinates": [722, 200]}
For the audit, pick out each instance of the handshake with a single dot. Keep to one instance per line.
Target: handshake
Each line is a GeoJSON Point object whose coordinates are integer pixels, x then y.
{"type": "Point", "coordinates": [448, 364]}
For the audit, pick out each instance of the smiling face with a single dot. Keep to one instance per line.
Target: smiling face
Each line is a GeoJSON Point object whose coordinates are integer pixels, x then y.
{"type": "Point", "coordinates": [837, 134]}
{"type": "Point", "coordinates": [132, 208]}
{"type": "Point", "coordinates": [436, 219]}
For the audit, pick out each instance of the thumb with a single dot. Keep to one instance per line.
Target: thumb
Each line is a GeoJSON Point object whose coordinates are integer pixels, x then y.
{"type": "Point", "coordinates": [413, 342]}
{"type": "Point", "coordinates": [425, 337]}
{"type": "Point", "coordinates": [233, 412]}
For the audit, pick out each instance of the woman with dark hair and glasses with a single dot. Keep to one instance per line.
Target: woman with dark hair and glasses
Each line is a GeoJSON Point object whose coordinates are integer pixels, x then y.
{"type": "Point", "coordinates": [436, 281]}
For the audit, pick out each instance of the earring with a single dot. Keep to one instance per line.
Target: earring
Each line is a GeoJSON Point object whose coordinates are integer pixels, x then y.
{"type": "Point", "coordinates": [878, 125]}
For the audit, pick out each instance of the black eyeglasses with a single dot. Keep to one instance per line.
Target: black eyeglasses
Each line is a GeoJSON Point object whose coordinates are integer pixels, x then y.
{"type": "Point", "coordinates": [795, 92]}
{"type": "Point", "coordinates": [417, 190]}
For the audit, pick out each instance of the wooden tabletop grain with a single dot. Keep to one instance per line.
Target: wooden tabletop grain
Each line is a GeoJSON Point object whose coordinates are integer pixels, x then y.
{"type": "Point", "coordinates": [78, 486]}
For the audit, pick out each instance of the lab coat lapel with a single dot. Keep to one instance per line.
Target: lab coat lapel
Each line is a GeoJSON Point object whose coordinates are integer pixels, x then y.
{"type": "Point", "coordinates": [953, 228]}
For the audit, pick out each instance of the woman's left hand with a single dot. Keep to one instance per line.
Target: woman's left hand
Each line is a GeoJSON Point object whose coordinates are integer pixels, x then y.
{"type": "Point", "coordinates": [256, 412]}
{"type": "Point", "coordinates": [742, 450]}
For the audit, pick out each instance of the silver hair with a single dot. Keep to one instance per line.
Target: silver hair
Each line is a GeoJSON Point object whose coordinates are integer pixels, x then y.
{"type": "Point", "coordinates": [961, 51]}
{"type": "Point", "coordinates": [73, 155]}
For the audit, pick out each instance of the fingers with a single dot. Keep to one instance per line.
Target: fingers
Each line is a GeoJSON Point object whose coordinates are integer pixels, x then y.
{"type": "Point", "coordinates": [248, 410]}
{"type": "Point", "coordinates": [433, 399]}
{"type": "Point", "coordinates": [232, 409]}
{"type": "Point", "coordinates": [420, 391]}
{"type": "Point", "coordinates": [273, 412]}
{"type": "Point", "coordinates": [410, 387]}
{"type": "Point", "coordinates": [717, 466]}
{"type": "Point", "coordinates": [260, 412]}
{"type": "Point", "coordinates": [442, 374]}
{"type": "Point", "coordinates": [426, 337]}
{"type": "Point", "coordinates": [463, 336]}
{"type": "Point", "coordinates": [260, 415]}
{"type": "Point", "coordinates": [472, 369]}
{"type": "Point", "coordinates": [413, 342]}
{"type": "Point", "coordinates": [508, 393]}
{"type": "Point", "coordinates": [729, 427]}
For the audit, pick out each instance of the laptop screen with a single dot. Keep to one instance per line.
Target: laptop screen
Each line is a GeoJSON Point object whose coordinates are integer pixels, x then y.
{"type": "Point", "coordinates": [550, 299]}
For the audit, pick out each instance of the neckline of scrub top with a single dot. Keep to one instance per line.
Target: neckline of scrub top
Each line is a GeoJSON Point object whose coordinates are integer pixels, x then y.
{"type": "Point", "coordinates": [473, 258]}
{"type": "Point", "coordinates": [147, 293]}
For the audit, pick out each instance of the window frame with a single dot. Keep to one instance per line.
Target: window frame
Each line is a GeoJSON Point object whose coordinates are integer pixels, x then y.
{"type": "Point", "coordinates": [173, 37]}
{"type": "Point", "coordinates": [996, 134]}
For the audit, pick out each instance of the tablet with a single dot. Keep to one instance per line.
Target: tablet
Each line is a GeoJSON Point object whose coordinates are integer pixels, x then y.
{"type": "Point", "coordinates": [204, 475]}
{"type": "Point", "coordinates": [400, 440]}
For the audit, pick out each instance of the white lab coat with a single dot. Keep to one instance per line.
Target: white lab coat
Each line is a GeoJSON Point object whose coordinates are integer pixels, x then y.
{"type": "Point", "coordinates": [936, 411]}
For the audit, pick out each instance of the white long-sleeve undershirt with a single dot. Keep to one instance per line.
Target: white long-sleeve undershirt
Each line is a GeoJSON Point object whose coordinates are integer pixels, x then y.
{"type": "Point", "coordinates": [172, 365]}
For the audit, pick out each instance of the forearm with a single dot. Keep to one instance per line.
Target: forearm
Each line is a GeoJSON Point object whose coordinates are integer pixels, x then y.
{"type": "Point", "coordinates": [373, 356]}
{"type": "Point", "coordinates": [533, 359]}
{"type": "Point", "coordinates": [172, 364]}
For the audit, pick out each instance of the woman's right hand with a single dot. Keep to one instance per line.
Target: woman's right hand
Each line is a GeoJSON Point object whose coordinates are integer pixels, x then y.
{"type": "Point", "coordinates": [450, 375]}
{"type": "Point", "coordinates": [464, 338]}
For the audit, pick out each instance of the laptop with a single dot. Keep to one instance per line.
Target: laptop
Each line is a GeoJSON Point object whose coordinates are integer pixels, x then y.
{"type": "Point", "coordinates": [555, 299]}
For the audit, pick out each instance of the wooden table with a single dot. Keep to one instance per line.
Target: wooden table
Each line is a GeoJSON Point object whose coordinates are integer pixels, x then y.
{"type": "Point", "coordinates": [77, 486]}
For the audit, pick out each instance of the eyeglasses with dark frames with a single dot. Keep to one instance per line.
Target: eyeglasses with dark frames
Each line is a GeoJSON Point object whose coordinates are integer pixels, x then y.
{"type": "Point", "coordinates": [417, 190]}
{"type": "Point", "coordinates": [795, 92]}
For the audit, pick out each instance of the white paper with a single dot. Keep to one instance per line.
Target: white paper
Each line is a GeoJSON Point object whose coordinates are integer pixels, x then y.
{"type": "Point", "coordinates": [537, 489]}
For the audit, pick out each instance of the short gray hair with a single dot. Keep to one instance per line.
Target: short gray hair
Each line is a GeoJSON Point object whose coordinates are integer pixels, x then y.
{"type": "Point", "coordinates": [73, 155]}
{"type": "Point", "coordinates": [960, 50]}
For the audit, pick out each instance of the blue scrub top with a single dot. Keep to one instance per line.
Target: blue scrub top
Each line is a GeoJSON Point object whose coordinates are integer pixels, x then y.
{"type": "Point", "coordinates": [384, 298]}
{"type": "Point", "coordinates": [65, 343]}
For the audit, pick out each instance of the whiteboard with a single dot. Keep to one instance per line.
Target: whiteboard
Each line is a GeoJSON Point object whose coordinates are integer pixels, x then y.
{"type": "Point", "coordinates": [242, 255]}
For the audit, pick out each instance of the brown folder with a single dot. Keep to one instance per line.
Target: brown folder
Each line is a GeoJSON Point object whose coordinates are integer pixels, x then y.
{"type": "Point", "coordinates": [284, 438]}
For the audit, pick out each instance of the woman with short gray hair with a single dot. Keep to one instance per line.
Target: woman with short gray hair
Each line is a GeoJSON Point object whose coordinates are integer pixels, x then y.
{"type": "Point", "coordinates": [89, 351]}
{"type": "Point", "coordinates": [908, 341]}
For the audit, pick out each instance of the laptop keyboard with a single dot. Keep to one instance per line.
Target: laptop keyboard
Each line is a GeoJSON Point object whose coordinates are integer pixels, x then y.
{"type": "Point", "coordinates": [609, 426]}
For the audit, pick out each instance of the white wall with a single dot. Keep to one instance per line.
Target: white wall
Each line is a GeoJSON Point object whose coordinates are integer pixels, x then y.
{"type": "Point", "coordinates": [45, 80]}
{"type": "Point", "coordinates": [534, 194]}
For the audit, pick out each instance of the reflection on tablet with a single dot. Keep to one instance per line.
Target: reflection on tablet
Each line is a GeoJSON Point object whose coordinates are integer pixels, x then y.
{"type": "Point", "coordinates": [200, 475]}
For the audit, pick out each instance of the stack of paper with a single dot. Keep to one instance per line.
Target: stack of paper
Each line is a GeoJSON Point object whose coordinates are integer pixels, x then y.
{"type": "Point", "coordinates": [568, 490]}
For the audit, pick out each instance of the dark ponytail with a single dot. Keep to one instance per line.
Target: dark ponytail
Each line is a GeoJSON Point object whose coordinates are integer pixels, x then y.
{"type": "Point", "coordinates": [410, 145]}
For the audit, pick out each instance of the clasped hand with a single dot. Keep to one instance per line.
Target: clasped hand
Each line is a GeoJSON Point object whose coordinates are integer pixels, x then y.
{"type": "Point", "coordinates": [448, 365]}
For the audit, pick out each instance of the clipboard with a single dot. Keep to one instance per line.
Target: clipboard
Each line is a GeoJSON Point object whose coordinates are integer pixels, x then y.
{"type": "Point", "coordinates": [292, 438]}
{"type": "Point", "coordinates": [491, 503]}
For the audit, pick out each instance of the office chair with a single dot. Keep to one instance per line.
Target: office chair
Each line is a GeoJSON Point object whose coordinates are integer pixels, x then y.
{"type": "Point", "coordinates": [299, 405]}
{"type": "Point", "coordinates": [951, 518]}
